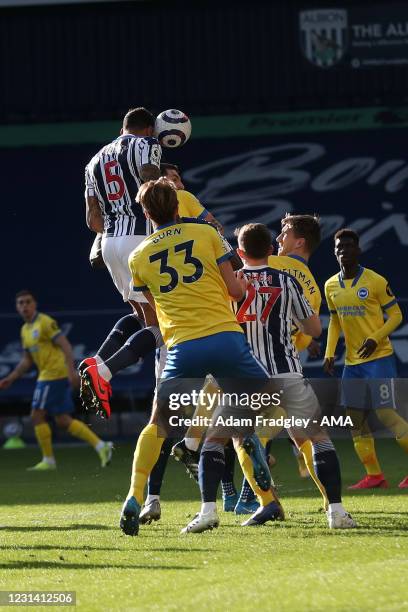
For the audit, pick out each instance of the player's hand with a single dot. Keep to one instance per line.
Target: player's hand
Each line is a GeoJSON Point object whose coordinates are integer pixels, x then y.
{"type": "Point", "coordinates": [367, 348]}
{"type": "Point", "coordinates": [243, 281]}
{"type": "Point", "coordinates": [74, 379]}
{"type": "Point", "coordinates": [6, 382]}
{"type": "Point", "coordinates": [328, 366]}
{"type": "Point", "coordinates": [314, 349]}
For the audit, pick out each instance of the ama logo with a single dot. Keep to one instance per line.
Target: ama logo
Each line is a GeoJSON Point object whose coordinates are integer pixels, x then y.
{"type": "Point", "coordinates": [362, 293]}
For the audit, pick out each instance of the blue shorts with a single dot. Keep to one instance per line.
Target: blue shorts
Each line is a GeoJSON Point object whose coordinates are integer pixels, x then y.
{"type": "Point", "coordinates": [224, 355]}
{"type": "Point", "coordinates": [369, 385]}
{"type": "Point", "coordinates": [53, 396]}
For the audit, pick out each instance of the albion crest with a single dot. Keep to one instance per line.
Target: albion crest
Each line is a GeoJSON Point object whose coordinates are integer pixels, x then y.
{"type": "Point", "coordinates": [323, 36]}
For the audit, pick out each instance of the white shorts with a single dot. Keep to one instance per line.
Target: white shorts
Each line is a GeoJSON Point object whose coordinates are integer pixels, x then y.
{"type": "Point", "coordinates": [161, 355]}
{"type": "Point", "coordinates": [115, 253]}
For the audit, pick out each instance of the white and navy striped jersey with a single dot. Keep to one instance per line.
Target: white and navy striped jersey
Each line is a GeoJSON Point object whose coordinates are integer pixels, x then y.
{"type": "Point", "coordinates": [113, 176]}
{"type": "Point", "coordinates": [272, 302]}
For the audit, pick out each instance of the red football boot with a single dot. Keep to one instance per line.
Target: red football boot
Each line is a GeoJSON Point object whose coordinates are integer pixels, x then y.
{"type": "Point", "coordinates": [95, 391]}
{"type": "Point", "coordinates": [371, 482]}
{"type": "Point", "coordinates": [404, 483]}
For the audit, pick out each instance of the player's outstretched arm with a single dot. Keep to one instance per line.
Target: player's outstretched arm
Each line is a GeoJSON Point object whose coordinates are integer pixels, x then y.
{"type": "Point", "coordinates": [236, 284]}
{"type": "Point", "coordinates": [21, 368]}
{"type": "Point", "coordinates": [66, 348]}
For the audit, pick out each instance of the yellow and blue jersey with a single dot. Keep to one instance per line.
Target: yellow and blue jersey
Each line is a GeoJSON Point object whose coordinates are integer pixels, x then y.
{"type": "Point", "coordinates": [189, 205]}
{"type": "Point", "coordinates": [38, 338]}
{"type": "Point", "coordinates": [298, 267]}
{"type": "Point", "coordinates": [178, 264]}
{"type": "Point", "coordinates": [360, 303]}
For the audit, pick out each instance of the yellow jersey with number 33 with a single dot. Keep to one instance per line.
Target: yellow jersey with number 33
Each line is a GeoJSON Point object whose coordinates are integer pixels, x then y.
{"type": "Point", "coordinates": [360, 303]}
{"type": "Point", "coordinates": [37, 339]}
{"type": "Point", "coordinates": [178, 264]}
{"type": "Point", "coordinates": [298, 268]}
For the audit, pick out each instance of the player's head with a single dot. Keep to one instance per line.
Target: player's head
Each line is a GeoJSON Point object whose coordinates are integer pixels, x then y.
{"type": "Point", "coordinates": [300, 234]}
{"type": "Point", "coordinates": [347, 247]}
{"type": "Point", "coordinates": [159, 201]}
{"type": "Point", "coordinates": [138, 121]}
{"type": "Point", "coordinates": [172, 173]}
{"type": "Point", "coordinates": [254, 242]}
{"type": "Point", "coordinates": [26, 304]}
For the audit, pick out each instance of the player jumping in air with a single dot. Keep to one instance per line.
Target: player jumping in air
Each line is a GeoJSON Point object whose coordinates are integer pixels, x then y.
{"type": "Point", "coordinates": [357, 299]}
{"type": "Point", "coordinates": [46, 348]}
{"type": "Point", "coordinates": [112, 179]}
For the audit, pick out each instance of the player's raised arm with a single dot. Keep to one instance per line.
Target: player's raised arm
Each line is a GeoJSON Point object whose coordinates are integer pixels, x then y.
{"type": "Point", "coordinates": [25, 364]}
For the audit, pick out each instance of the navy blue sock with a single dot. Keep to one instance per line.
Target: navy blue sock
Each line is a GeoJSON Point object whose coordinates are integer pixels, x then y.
{"type": "Point", "coordinates": [123, 329]}
{"type": "Point", "coordinates": [327, 468]}
{"type": "Point", "coordinates": [136, 347]}
{"type": "Point", "coordinates": [227, 482]}
{"type": "Point", "coordinates": [210, 471]}
{"type": "Point", "coordinates": [247, 494]}
{"type": "Point", "coordinates": [156, 475]}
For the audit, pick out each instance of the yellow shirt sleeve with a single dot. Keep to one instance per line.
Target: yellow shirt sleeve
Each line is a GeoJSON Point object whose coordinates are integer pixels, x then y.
{"type": "Point", "coordinates": [137, 282]}
{"type": "Point", "coordinates": [190, 206]}
{"type": "Point", "coordinates": [50, 328]}
{"type": "Point", "coordinates": [222, 249]}
{"type": "Point", "coordinates": [334, 331]}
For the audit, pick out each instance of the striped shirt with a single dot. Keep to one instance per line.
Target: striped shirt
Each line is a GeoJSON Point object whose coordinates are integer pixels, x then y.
{"type": "Point", "coordinates": [272, 302]}
{"type": "Point", "coordinates": [113, 176]}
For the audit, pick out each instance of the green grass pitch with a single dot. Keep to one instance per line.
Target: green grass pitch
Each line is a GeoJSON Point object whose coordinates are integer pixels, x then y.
{"type": "Point", "coordinates": [59, 531]}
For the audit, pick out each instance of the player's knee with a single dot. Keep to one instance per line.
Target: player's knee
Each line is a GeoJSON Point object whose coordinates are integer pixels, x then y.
{"type": "Point", "coordinates": [127, 326]}
{"type": "Point", "coordinates": [37, 417]}
{"type": "Point", "coordinates": [63, 421]}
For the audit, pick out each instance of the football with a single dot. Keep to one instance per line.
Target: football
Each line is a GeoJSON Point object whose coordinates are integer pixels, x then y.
{"type": "Point", "coordinates": [172, 128]}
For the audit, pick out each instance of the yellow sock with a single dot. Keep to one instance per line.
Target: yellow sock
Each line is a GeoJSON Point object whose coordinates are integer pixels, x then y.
{"type": "Point", "coordinates": [307, 451]}
{"type": "Point", "coordinates": [403, 442]}
{"type": "Point", "coordinates": [264, 497]}
{"type": "Point", "coordinates": [365, 449]}
{"type": "Point", "coordinates": [147, 452]}
{"type": "Point", "coordinates": [78, 429]}
{"type": "Point", "coordinates": [396, 424]}
{"type": "Point", "coordinates": [44, 439]}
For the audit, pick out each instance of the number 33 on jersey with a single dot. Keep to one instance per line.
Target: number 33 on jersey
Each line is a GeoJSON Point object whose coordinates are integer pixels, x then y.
{"type": "Point", "coordinates": [178, 264]}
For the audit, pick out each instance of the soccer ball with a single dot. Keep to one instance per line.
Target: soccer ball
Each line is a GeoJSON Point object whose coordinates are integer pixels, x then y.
{"type": "Point", "coordinates": [172, 128]}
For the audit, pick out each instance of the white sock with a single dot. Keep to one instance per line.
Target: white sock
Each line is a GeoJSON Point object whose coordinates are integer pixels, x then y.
{"type": "Point", "coordinates": [98, 359]}
{"type": "Point", "coordinates": [207, 507]}
{"type": "Point", "coordinates": [150, 498]}
{"type": "Point", "coordinates": [192, 443]}
{"type": "Point", "coordinates": [49, 460]}
{"type": "Point", "coordinates": [104, 371]}
{"type": "Point", "coordinates": [100, 445]}
{"type": "Point", "coordinates": [336, 508]}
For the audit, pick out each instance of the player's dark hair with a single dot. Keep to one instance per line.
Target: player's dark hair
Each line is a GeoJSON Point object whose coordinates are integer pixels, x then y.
{"type": "Point", "coordinates": [138, 119]}
{"type": "Point", "coordinates": [164, 168]}
{"type": "Point", "coordinates": [305, 226]}
{"type": "Point", "coordinates": [25, 292]}
{"type": "Point", "coordinates": [159, 199]}
{"type": "Point", "coordinates": [255, 239]}
{"type": "Point", "coordinates": [347, 233]}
